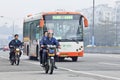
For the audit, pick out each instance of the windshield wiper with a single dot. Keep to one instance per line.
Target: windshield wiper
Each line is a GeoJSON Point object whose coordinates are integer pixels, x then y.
{"type": "Point", "coordinates": [62, 39]}
{"type": "Point", "coordinates": [77, 39]}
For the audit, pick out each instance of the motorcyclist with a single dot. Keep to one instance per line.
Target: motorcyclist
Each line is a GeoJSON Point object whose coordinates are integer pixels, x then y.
{"type": "Point", "coordinates": [14, 43]}
{"type": "Point", "coordinates": [50, 40]}
{"type": "Point", "coordinates": [41, 49]}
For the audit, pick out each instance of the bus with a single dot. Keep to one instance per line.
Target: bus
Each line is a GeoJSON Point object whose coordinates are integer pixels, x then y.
{"type": "Point", "coordinates": [67, 28]}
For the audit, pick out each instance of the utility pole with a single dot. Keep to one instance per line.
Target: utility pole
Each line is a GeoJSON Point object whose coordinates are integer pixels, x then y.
{"type": "Point", "coordinates": [93, 39]}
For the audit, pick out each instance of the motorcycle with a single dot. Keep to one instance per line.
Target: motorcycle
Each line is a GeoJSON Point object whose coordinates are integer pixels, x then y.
{"type": "Point", "coordinates": [50, 62]}
{"type": "Point", "coordinates": [16, 56]}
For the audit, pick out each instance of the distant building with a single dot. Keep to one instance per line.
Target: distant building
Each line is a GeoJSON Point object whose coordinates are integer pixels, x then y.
{"type": "Point", "coordinates": [104, 29]}
{"type": "Point", "coordinates": [117, 11]}
{"type": "Point", "coordinates": [102, 13]}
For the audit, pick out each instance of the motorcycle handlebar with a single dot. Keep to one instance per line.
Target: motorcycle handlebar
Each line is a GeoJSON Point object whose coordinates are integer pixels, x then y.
{"type": "Point", "coordinates": [49, 46]}
{"type": "Point", "coordinates": [15, 47]}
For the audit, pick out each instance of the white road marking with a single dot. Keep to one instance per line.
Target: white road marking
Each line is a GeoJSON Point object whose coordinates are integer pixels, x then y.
{"type": "Point", "coordinates": [74, 71]}
{"type": "Point", "coordinates": [90, 74]}
{"type": "Point", "coordinates": [35, 63]}
{"type": "Point", "coordinates": [81, 72]}
{"type": "Point", "coordinates": [113, 64]}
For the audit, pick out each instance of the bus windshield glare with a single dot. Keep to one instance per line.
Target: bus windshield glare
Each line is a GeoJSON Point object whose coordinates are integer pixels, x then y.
{"type": "Point", "coordinates": [65, 27]}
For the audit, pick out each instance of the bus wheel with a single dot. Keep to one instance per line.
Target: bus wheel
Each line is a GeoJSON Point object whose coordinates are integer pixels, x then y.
{"type": "Point", "coordinates": [37, 51]}
{"type": "Point", "coordinates": [74, 59]}
{"type": "Point", "coordinates": [33, 58]}
{"type": "Point", "coordinates": [27, 50]}
{"type": "Point", "coordinates": [59, 59]}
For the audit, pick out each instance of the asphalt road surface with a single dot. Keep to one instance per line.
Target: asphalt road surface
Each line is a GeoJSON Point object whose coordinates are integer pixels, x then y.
{"type": "Point", "coordinates": [89, 67]}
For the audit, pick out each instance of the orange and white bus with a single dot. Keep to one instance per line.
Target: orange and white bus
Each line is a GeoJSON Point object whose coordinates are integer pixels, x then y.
{"type": "Point", "coordinates": [67, 28]}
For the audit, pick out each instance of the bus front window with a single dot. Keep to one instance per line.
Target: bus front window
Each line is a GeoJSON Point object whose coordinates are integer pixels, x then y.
{"type": "Point", "coordinates": [66, 29]}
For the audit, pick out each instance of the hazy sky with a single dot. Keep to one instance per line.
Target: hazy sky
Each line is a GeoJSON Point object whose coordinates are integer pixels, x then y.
{"type": "Point", "coordinates": [18, 9]}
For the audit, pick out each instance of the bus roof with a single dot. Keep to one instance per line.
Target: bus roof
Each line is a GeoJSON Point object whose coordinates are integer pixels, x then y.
{"type": "Point", "coordinates": [39, 15]}
{"type": "Point", "coordinates": [52, 13]}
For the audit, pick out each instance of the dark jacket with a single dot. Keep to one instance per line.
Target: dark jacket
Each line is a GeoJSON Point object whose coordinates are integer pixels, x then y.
{"type": "Point", "coordinates": [47, 41]}
{"type": "Point", "coordinates": [15, 43]}
{"type": "Point", "coordinates": [42, 40]}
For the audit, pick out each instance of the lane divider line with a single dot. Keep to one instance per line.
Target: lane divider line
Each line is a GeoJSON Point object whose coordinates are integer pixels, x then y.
{"type": "Point", "coordinates": [74, 71]}
{"type": "Point", "coordinates": [113, 64]}
{"type": "Point", "coordinates": [90, 74]}
{"type": "Point", "coordinates": [82, 72]}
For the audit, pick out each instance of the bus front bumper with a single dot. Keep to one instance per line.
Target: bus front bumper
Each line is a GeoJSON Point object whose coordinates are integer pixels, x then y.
{"type": "Point", "coordinates": [70, 54]}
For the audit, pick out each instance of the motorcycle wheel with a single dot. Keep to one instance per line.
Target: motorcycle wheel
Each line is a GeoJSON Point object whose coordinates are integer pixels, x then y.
{"type": "Point", "coordinates": [46, 68]}
{"type": "Point", "coordinates": [17, 60]}
{"type": "Point", "coordinates": [51, 65]}
{"type": "Point", "coordinates": [12, 61]}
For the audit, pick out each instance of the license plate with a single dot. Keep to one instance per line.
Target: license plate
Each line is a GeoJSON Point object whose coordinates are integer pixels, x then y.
{"type": "Point", "coordinates": [17, 53]}
{"type": "Point", "coordinates": [63, 55]}
{"type": "Point", "coordinates": [51, 54]}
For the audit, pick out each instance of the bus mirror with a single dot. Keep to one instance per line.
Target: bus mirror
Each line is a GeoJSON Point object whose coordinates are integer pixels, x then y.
{"type": "Point", "coordinates": [85, 22]}
{"type": "Point", "coordinates": [41, 23]}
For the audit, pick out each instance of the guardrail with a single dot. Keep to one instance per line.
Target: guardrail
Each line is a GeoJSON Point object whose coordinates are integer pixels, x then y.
{"type": "Point", "coordinates": [103, 49]}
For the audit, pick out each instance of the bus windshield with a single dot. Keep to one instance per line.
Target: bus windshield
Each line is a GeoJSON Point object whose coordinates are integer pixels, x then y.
{"type": "Point", "coordinates": [66, 29]}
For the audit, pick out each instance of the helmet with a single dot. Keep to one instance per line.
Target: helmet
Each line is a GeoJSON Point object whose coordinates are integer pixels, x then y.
{"type": "Point", "coordinates": [50, 31]}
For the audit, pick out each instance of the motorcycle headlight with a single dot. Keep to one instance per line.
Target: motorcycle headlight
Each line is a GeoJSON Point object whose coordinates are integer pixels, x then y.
{"type": "Point", "coordinates": [17, 49]}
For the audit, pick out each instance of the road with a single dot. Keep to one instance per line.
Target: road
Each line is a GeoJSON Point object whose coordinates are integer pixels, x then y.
{"type": "Point", "coordinates": [89, 67]}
